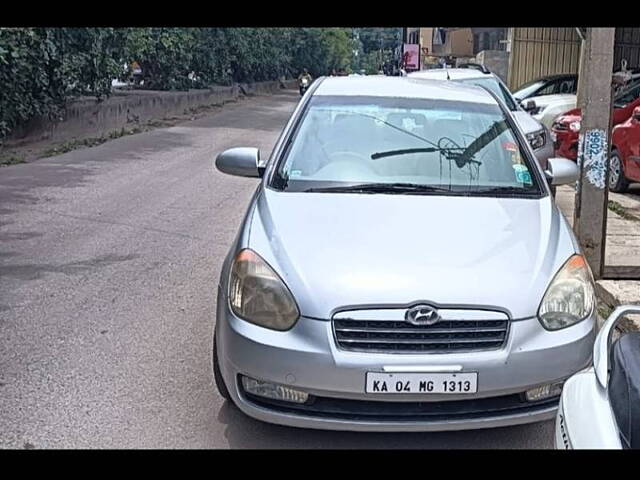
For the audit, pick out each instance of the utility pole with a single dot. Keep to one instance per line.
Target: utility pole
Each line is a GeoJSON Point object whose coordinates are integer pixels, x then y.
{"type": "Point", "coordinates": [595, 99]}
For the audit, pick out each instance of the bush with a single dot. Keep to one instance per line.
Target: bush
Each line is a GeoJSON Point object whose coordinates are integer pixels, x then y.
{"type": "Point", "coordinates": [42, 68]}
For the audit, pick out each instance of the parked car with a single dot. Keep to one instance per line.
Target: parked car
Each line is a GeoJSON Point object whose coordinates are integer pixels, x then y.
{"type": "Point", "coordinates": [537, 134]}
{"type": "Point", "coordinates": [566, 83]}
{"type": "Point", "coordinates": [401, 266]}
{"type": "Point", "coordinates": [547, 108]}
{"type": "Point", "coordinates": [600, 406]}
{"type": "Point", "coordinates": [624, 163]}
{"type": "Point", "coordinates": [566, 128]}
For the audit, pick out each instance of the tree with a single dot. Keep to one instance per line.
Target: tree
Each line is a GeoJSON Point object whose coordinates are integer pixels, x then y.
{"type": "Point", "coordinates": [42, 68]}
{"type": "Point", "coordinates": [164, 55]}
{"type": "Point", "coordinates": [376, 47]}
{"type": "Point", "coordinates": [321, 50]}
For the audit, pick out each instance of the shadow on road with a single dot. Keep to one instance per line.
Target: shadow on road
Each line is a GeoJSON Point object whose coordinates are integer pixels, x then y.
{"type": "Point", "coordinates": [242, 431]}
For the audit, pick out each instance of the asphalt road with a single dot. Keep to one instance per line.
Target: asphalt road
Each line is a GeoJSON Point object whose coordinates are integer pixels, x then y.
{"type": "Point", "coordinates": [109, 259]}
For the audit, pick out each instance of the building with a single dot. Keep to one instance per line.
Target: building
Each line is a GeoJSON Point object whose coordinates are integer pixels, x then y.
{"type": "Point", "coordinates": [489, 39]}
{"type": "Point", "coordinates": [440, 42]}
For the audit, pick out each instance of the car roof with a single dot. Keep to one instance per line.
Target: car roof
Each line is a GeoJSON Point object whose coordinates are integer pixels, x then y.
{"type": "Point", "coordinates": [402, 87]}
{"type": "Point", "coordinates": [450, 74]}
{"type": "Point", "coordinates": [556, 76]}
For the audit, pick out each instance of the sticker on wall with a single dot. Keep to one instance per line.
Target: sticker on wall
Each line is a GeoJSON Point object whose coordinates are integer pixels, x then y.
{"type": "Point", "coordinates": [593, 144]}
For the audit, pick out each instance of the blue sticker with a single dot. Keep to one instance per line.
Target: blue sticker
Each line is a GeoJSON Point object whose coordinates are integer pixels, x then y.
{"type": "Point", "coordinates": [524, 177]}
{"type": "Point", "coordinates": [522, 174]}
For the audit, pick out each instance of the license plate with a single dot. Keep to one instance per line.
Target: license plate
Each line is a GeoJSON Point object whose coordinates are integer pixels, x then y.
{"type": "Point", "coordinates": [421, 383]}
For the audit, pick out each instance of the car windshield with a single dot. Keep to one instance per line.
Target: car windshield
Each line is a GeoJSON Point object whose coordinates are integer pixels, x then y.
{"type": "Point", "coordinates": [494, 85]}
{"type": "Point", "coordinates": [405, 145]}
{"type": "Point", "coordinates": [528, 89]}
{"type": "Point", "coordinates": [631, 93]}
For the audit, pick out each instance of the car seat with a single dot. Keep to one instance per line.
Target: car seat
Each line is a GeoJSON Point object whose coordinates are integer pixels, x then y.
{"type": "Point", "coordinates": [624, 388]}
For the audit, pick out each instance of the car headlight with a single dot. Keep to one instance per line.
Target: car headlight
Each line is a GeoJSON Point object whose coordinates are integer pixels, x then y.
{"type": "Point", "coordinates": [570, 296]}
{"type": "Point", "coordinates": [258, 295]}
{"type": "Point", "coordinates": [536, 139]}
{"type": "Point", "coordinates": [574, 126]}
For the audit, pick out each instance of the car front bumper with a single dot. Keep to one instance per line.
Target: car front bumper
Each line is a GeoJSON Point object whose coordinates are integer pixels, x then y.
{"type": "Point", "coordinates": [566, 144]}
{"type": "Point", "coordinates": [307, 358]}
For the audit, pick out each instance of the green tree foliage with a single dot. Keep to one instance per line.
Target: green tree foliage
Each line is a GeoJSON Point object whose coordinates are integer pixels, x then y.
{"type": "Point", "coordinates": [164, 54]}
{"type": "Point", "coordinates": [375, 47]}
{"type": "Point", "coordinates": [379, 38]}
{"type": "Point", "coordinates": [41, 68]}
{"type": "Point", "coordinates": [322, 50]}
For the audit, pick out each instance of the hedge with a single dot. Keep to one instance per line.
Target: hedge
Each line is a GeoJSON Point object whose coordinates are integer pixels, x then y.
{"type": "Point", "coordinates": [41, 69]}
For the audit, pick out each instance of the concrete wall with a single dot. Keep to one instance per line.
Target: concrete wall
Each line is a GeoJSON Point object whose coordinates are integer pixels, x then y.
{"type": "Point", "coordinates": [86, 117]}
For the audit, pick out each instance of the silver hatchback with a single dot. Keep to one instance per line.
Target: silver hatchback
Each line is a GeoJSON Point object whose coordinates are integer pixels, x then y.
{"type": "Point", "coordinates": [402, 266]}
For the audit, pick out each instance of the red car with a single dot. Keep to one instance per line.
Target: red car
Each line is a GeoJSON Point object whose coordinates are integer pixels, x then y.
{"type": "Point", "coordinates": [624, 165]}
{"type": "Point", "coordinates": [565, 129]}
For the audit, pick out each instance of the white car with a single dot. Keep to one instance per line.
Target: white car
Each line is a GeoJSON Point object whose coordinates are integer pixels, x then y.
{"type": "Point", "coordinates": [537, 135]}
{"type": "Point", "coordinates": [547, 108]}
{"type": "Point", "coordinates": [600, 406]}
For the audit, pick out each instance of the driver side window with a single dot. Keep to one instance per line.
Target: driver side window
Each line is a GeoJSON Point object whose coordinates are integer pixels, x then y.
{"type": "Point", "coordinates": [550, 89]}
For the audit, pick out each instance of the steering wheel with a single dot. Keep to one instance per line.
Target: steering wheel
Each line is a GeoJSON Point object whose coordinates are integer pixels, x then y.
{"type": "Point", "coordinates": [333, 148]}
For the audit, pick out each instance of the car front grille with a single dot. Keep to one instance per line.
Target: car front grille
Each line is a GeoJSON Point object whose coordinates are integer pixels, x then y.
{"type": "Point", "coordinates": [561, 127]}
{"type": "Point", "coordinates": [403, 337]}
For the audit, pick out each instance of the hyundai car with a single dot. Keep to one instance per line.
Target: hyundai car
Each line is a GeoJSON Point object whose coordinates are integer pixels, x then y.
{"type": "Point", "coordinates": [401, 266]}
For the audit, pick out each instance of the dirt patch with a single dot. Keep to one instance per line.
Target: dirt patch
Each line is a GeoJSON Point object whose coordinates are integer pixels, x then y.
{"type": "Point", "coordinates": [617, 208]}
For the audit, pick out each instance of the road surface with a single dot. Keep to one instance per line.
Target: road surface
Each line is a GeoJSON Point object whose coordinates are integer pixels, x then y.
{"type": "Point", "coordinates": [109, 262]}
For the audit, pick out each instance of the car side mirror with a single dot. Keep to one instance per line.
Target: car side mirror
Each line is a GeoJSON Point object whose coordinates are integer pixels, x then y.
{"type": "Point", "coordinates": [636, 113]}
{"type": "Point", "coordinates": [528, 105]}
{"type": "Point", "coordinates": [562, 171]}
{"type": "Point", "coordinates": [241, 162]}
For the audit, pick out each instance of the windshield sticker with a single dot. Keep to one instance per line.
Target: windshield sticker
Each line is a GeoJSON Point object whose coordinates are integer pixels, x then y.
{"type": "Point", "coordinates": [522, 174]}
{"type": "Point", "coordinates": [510, 146]}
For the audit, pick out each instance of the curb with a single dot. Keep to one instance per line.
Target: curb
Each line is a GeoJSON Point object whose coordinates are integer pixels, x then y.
{"type": "Point", "coordinates": [607, 294]}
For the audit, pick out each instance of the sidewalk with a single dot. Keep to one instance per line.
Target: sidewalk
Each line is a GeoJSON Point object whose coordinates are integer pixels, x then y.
{"type": "Point", "coordinates": [622, 248]}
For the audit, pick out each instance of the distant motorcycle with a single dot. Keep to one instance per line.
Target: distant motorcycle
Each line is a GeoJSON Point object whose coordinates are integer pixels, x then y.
{"type": "Point", "coordinates": [304, 86]}
{"type": "Point", "coordinates": [600, 406]}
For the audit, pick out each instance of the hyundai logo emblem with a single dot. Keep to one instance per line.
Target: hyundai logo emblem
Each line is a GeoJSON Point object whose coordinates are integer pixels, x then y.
{"type": "Point", "coordinates": [422, 315]}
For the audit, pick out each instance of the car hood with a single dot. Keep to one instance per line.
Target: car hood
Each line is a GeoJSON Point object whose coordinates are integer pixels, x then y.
{"type": "Point", "coordinates": [346, 250]}
{"type": "Point", "coordinates": [573, 115]}
{"type": "Point", "coordinates": [561, 98]}
{"type": "Point", "coordinates": [527, 123]}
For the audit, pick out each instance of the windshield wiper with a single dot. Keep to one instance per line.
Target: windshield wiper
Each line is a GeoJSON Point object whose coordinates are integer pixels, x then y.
{"type": "Point", "coordinates": [406, 151]}
{"type": "Point", "coordinates": [504, 189]}
{"type": "Point", "coordinates": [482, 141]}
{"type": "Point", "coordinates": [380, 188]}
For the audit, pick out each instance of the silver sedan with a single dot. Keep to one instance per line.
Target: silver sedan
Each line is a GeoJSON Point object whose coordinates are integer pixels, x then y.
{"type": "Point", "coordinates": [402, 266]}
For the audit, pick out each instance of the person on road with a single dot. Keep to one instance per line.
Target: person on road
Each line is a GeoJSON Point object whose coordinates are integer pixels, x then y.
{"type": "Point", "coordinates": [303, 75]}
{"type": "Point", "coordinates": [304, 80]}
